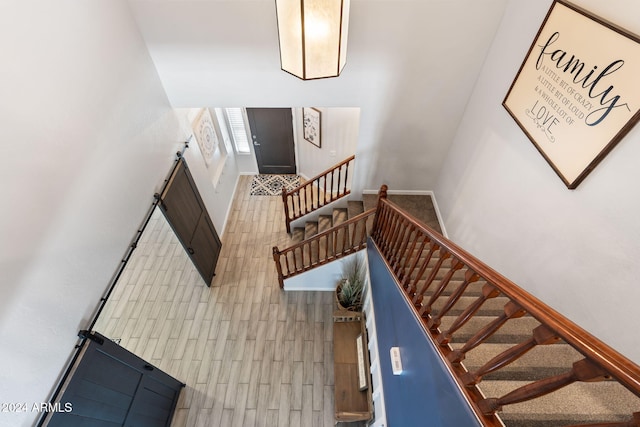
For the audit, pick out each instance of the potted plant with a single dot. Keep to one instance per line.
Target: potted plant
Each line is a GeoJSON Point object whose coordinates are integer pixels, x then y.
{"type": "Point", "coordinates": [349, 289]}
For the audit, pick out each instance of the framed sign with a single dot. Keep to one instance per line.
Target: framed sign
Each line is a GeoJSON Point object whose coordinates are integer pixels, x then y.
{"type": "Point", "coordinates": [577, 93]}
{"type": "Point", "coordinates": [311, 125]}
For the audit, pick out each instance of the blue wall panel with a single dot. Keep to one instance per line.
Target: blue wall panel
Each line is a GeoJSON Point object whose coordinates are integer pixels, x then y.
{"type": "Point", "coordinates": [424, 394]}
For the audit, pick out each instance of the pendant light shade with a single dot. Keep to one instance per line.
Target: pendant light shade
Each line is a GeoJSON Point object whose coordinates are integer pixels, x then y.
{"type": "Point", "coordinates": [313, 37]}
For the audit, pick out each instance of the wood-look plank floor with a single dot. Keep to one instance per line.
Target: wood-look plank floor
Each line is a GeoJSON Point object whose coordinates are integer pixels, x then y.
{"type": "Point", "coordinates": [250, 354]}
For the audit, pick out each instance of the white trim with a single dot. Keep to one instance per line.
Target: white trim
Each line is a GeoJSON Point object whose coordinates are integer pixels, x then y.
{"type": "Point", "coordinates": [303, 176]}
{"type": "Point", "coordinates": [309, 288]}
{"type": "Point", "coordinates": [226, 215]}
{"type": "Point", "coordinates": [417, 193]}
{"type": "Point", "coordinates": [377, 393]}
{"type": "Point", "coordinates": [440, 220]}
{"type": "Point", "coordinates": [402, 192]}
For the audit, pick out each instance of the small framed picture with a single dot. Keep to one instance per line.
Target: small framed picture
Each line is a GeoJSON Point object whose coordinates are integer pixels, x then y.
{"type": "Point", "coordinates": [311, 125]}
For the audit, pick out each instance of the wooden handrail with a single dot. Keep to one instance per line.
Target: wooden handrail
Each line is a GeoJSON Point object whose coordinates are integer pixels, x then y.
{"type": "Point", "coordinates": [336, 242]}
{"type": "Point", "coordinates": [407, 245]}
{"type": "Point", "coordinates": [317, 192]}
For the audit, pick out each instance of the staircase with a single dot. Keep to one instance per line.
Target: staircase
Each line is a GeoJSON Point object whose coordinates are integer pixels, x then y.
{"type": "Point", "coordinates": [578, 404]}
{"type": "Point", "coordinates": [520, 363]}
{"type": "Point", "coordinates": [338, 216]}
{"type": "Point", "coordinates": [319, 242]}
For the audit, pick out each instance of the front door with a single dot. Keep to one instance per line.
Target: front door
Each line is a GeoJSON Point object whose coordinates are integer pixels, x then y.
{"type": "Point", "coordinates": [272, 137]}
{"type": "Point", "coordinates": [111, 386]}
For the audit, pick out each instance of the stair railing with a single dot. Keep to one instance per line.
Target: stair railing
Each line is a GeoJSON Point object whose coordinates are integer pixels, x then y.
{"type": "Point", "coordinates": [337, 242]}
{"type": "Point", "coordinates": [423, 263]}
{"type": "Point", "coordinates": [322, 189]}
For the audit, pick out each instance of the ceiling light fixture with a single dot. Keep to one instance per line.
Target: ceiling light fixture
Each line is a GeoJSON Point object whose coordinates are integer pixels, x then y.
{"type": "Point", "coordinates": [313, 37]}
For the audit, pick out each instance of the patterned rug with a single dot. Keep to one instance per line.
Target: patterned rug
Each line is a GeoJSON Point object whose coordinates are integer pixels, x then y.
{"type": "Point", "coordinates": [271, 185]}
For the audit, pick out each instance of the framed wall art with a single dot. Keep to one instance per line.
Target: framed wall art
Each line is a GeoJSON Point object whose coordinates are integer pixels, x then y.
{"type": "Point", "coordinates": [311, 125]}
{"type": "Point", "coordinates": [576, 93]}
{"type": "Point", "coordinates": [206, 135]}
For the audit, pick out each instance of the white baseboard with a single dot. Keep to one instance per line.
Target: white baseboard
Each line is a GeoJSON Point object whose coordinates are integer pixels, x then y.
{"type": "Point", "coordinates": [438, 215]}
{"type": "Point", "coordinates": [417, 193]}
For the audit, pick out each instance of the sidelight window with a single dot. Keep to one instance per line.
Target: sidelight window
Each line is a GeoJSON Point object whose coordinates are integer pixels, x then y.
{"type": "Point", "coordinates": [236, 123]}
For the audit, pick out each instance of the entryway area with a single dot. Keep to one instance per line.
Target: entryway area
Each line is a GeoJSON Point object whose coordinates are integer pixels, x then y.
{"type": "Point", "coordinates": [250, 354]}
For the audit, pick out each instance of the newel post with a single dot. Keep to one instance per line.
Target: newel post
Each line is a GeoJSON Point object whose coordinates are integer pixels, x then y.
{"type": "Point", "coordinates": [382, 194]}
{"type": "Point", "coordinates": [287, 221]}
{"type": "Point", "coordinates": [276, 258]}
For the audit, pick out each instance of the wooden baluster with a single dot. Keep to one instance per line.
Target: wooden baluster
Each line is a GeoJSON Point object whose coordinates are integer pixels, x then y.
{"type": "Point", "coordinates": [403, 255]}
{"type": "Point", "coordinates": [469, 277]}
{"type": "Point", "coordinates": [455, 266]}
{"type": "Point", "coordinates": [417, 298]}
{"type": "Point", "coordinates": [354, 229]}
{"type": "Point", "coordinates": [285, 202]}
{"type": "Point", "coordinates": [384, 236]}
{"type": "Point", "coordinates": [297, 205]}
{"type": "Point", "coordinates": [308, 194]}
{"type": "Point", "coordinates": [541, 335]}
{"type": "Point", "coordinates": [385, 223]}
{"type": "Point", "coordinates": [633, 422]}
{"type": "Point", "coordinates": [582, 370]}
{"type": "Point", "coordinates": [334, 240]}
{"type": "Point", "coordinates": [393, 239]}
{"type": "Point", "coordinates": [382, 194]}
{"type": "Point", "coordinates": [412, 284]}
{"type": "Point", "coordinates": [413, 258]}
{"type": "Point", "coordinates": [400, 239]}
{"type": "Point", "coordinates": [324, 182]}
{"type": "Point", "coordinates": [488, 291]}
{"type": "Point", "coordinates": [511, 311]}
{"type": "Point", "coordinates": [363, 231]}
{"type": "Point", "coordinates": [276, 258]}
{"type": "Point", "coordinates": [346, 176]}
{"type": "Point", "coordinates": [339, 179]}
{"type": "Point", "coordinates": [295, 260]}
{"type": "Point", "coordinates": [285, 255]}
{"type": "Point", "coordinates": [345, 236]}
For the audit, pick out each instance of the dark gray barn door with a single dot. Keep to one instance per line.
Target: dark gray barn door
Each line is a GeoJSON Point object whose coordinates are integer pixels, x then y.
{"type": "Point", "coordinates": [272, 136]}
{"type": "Point", "coordinates": [184, 209]}
{"type": "Point", "coordinates": [113, 387]}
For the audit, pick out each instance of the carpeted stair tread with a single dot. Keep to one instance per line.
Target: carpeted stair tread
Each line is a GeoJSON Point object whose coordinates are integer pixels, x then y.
{"type": "Point", "coordinates": [354, 208]}
{"type": "Point", "coordinates": [325, 222]}
{"type": "Point", "coordinates": [593, 401]}
{"type": "Point", "coordinates": [340, 215]}
{"type": "Point", "coordinates": [540, 362]}
{"type": "Point", "coordinates": [513, 331]}
{"type": "Point", "coordinates": [491, 307]}
{"type": "Point", "coordinates": [310, 229]}
{"type": "Point", "coordinates": [298, 234]}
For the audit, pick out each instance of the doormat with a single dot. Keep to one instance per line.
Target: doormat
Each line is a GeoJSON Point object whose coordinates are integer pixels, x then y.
{"type": "Point", "coordinates": [271, 185]}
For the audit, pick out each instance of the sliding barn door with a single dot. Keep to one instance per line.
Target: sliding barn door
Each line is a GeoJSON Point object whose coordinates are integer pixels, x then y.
{"type": "Point", "coordinates": [111, 386]}
{"type": "Point", "coordinates": [184, 209]}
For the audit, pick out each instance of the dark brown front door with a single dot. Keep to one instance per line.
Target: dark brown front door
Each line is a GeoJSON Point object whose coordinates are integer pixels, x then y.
{"type": "Point", "coordinates": [272, 138]}
{"type": "Point", "coordinates": [184, 209]}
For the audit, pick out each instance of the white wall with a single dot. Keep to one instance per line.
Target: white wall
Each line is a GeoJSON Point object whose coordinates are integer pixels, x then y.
{"type": "Point", "coordinates": [338, 135]}
{"type": "Point", "coordinates": [576, 249]}
{"type": "Point", "coordinates": [87, 138]}
{"type": "Point", "coordinates": [217, 198]}
{"type": "Point", "coordinates": [411, 67]}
